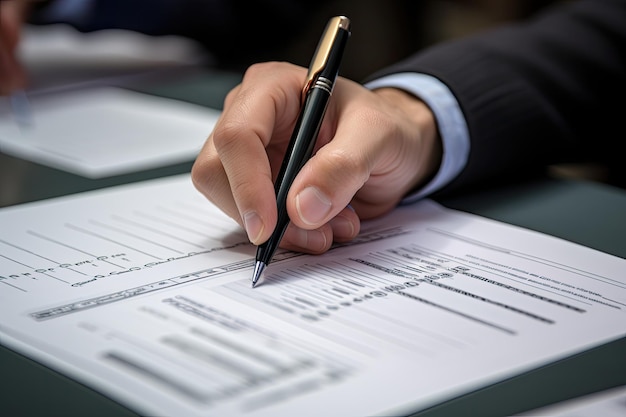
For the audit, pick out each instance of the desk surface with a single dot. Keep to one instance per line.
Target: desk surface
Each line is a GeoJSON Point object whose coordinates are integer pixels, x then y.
{"type": "Point", "coordinates": [587, 213]}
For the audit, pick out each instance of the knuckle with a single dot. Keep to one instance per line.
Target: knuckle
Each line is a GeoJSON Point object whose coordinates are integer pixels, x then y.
{"type": "Point", "coordinates": [344, 166]}
{"type": "Point", "coordinates": [261, 70]}
{"type": "Point", "coordinates": [204, 174]}
{"type": "Point", "coordinates": [227, 133]}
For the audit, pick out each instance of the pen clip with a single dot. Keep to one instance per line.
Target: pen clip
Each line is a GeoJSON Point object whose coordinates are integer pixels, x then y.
{"type": "Point", "coordinates": [322, 53]}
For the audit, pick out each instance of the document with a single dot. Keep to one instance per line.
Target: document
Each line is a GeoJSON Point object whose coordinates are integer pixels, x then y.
{"type": "Point", "coordinates": [107, 131]}
{"type": "Point", "coordinates": [143, 293]}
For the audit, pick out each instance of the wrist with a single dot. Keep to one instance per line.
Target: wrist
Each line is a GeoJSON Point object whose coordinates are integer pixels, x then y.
{"type": "Point", "coordinates": [421, 117]}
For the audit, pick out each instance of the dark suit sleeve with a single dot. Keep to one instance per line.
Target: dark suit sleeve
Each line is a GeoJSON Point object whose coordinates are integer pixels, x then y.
{"type": "Point", "coordinates": [548, 90]}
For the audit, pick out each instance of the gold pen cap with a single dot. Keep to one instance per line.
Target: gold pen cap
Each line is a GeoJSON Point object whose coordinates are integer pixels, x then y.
{"type": "Point", "coordinates": [322, 53]}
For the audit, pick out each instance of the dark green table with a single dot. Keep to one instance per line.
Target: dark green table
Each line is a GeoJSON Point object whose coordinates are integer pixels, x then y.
{"type": "Point", "coordinates": [588, 213]}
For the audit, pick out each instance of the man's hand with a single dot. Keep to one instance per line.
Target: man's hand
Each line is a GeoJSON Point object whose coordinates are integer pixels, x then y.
{"type": "Point", "coordinates": [373, 148]}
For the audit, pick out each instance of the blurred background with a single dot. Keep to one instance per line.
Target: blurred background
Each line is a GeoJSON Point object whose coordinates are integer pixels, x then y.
{"type": "Point", "coordinates": [77, 42]}
{"type": "Point", "coordinates": [237, 33]}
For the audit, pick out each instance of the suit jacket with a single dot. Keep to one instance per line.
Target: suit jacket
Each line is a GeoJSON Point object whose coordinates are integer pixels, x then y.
{"type": "Point", "coordinates": [546, 90]}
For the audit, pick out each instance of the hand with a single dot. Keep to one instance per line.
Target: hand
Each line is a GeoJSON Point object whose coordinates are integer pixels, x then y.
{"type": "Point", "coordinates": [373, 148]}
{"type": "Point", "coordinates": [12, 15]}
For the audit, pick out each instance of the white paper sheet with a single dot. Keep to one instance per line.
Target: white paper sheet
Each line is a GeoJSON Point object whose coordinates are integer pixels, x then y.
{"type": "Point", "coordinates": [59, 46]}
{"type": "Point", "coordinates": [107, 131]}
{"type": "Point", "coordinates": [58, 56]}
{"type": "Point", "coordinates": [143, 293]}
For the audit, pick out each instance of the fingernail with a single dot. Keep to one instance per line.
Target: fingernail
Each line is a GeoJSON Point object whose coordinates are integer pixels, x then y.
{"type": "Point", "coordinates": [253, 225]}
{"type": "Point", "coordinates": [342, 227]}
{"type": "Point", "coordinates": [312, 205]}
{"type": "Point", "coordinates": [310, 239]}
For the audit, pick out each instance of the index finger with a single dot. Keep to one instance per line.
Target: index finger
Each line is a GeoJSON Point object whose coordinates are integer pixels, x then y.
{"type": "Point", "coordinates": [237, 165]}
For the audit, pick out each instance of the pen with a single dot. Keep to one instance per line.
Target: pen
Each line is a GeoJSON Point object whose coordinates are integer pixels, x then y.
{"type": "Point", "coordinates": [315, 96]}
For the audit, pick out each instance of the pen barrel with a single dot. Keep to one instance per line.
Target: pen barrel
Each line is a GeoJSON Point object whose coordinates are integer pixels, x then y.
{"type": "Point", "coordinates": [308, 126]}
{"type": "Point", "coordinates": [299, 151]}
{"type": "Point", "coordinates": [302, 142]}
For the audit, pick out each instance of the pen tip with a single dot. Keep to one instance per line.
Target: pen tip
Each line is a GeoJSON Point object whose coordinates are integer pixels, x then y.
{"type": "Point", "coordinates": [258, 270]}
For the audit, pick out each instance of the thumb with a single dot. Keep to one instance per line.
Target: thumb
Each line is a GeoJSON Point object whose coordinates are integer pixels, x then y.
{"type": "Point", "coordinates": [326, 184]}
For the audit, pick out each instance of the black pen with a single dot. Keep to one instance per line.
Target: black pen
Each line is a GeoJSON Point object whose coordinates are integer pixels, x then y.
{"type": "Point", "coordinates": [315, 95]}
